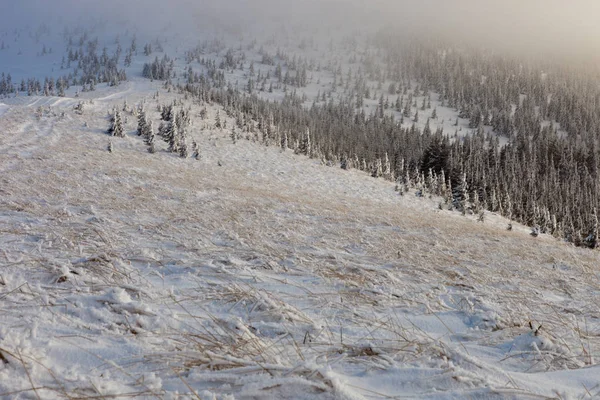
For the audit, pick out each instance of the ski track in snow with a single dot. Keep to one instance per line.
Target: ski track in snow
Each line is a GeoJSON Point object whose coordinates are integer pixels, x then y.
{"type": "Point", "coordinates": [120, 95]}
{"type": "Point", "coordinates": [270, 276]}
{"type": "Point", "coordinates": [28, 136]}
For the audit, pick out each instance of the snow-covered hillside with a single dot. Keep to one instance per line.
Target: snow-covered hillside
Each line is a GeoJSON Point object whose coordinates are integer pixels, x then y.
{"type": "Point", "coordinates": [257, 273]}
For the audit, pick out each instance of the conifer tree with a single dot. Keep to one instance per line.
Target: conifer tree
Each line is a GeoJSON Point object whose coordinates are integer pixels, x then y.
{"type": "Point", "coordinates": [284, 141]}
{"type": "Point", "coordinates": [195, 151]}
{"type": "Point", "coordinates": [116, 125]}
{"type": "Point", "coordinates": [387, 169]}
{"type": "Point", "coordinates": [233, 135]}
{"type": "Point", "coordinates": [172, 138]}
{"type": "Point", "coordinates": [377, 169]}
{"type": "Point", "coordinates": [142, 123]}
{"type": "Point", "coordinates": [149, 137]}
{"type": "Point", "coordinates": [591, 240]}
{"type": "Point", "coordinates": [305, 144]}
{"type": "Point", "coordinates": [183, 149]}
{"type": "Point", "coordinates": [463, 193]}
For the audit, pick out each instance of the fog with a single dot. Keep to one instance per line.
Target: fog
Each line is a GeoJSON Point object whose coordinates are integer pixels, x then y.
{"type": "Point", "coordinates": [548, 26]}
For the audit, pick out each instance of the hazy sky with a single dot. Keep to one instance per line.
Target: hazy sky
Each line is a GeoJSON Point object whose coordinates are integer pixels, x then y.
{"type": "Point", "coordinates": [548, 25]}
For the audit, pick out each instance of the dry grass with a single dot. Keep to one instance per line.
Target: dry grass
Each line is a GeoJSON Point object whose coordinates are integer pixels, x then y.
{"type": "Point", "coordinates": [276, 280]}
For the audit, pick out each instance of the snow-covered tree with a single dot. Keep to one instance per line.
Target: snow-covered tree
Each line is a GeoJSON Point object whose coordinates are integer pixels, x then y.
{"type": "Point", "coordinates": [387, 169]}
{"type": "Point", "coordinates": [233, 135]}
{"type": "Point", "coordinates": [195, 150]}
{"type": "Point", "coordinates": [377, 169]}
{"type": "Point", "coordinates": [142, 123]}
{"type": "Point", "coordinates": [218, 124]}
{"type": "Point", "coordinates": [149, 137]}
{"type": "Point", "coordinates": [116, 125]}
{"type": "Point", "coordinates": [305, 145]}
{"type": "Point", "coordinates": [284, 141]}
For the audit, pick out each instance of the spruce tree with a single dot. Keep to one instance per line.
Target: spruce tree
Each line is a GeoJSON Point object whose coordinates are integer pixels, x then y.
{"type": "Point", "coordinates": [148, 135]}
{"type": "Point", "coordinates": [195, 150]}
{"type": "Point", "coordinates": [305, 145]}
{"type": "Point", "coordinates": [463, 193]}
{"type": "Point", "coordinates": [377, 169]}
{"type": "Point", "coordinates": [116, 125]}
{"type": "Point", "coordinates": [591, 240]}
{"type": "Point", "coordinates": [141, 121]}
{"type": "Point", "coordinates": [171, 137]}
{"type": "Point", "coordinates": [284, 141]}
{"type": "Point", "coordinates": [218, 124]}
{"type": "Point", "coordinates": [183, 149]}
{"type": "Point", "coordinates": [233, 135]}
{"type": "Point", "coordinates": [387, 169]}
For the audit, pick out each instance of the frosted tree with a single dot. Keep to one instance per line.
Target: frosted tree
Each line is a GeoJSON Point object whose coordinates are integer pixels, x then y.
{"type": "Point", "coordinates": [591, 240]}
{"type": "Point", "coordinates": [172, 136]}
{"type": "Point", "coordinates": [182, 121]}
{"type": "Point", "coordinates": [183, 148]}
{"type": "Point", "coordinates": [344, 162]}
{"type": "Point", "coordinates": [233, 135]}
{"type": "Point", "coordinates": [141, 128]}
{"type": "Point", "coordinates": [476, 203]}
{"type": "Point", "coordinates": [463, 193]}
{"type": "Point", "coordinates": [377, 169]}
{"type": "Point", "coordinates": [284, 141]}
{"type": "Point", "coordinates": [387, 168]}
{"type": "Point", "coordinates": [508, 205]}
{"type": "Point", "coordinates": [60, 85]}
{"type": "Point", "coordinates": [195, 150]}
{"type": "Point", "coordinates": [149, 137]}
{"type": "Point", "coordinates": [167, 131]}
{"type": "Point", "coordinates": [305, 145]}
{"type": "Point", "coordinates": [116, 125]}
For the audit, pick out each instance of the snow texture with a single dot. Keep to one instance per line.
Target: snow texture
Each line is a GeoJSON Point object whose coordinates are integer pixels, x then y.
{"type": "Point", "coordinates": [257, 273]}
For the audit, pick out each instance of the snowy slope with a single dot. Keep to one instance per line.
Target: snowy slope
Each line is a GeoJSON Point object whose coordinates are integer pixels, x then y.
{"type": "Point", "coordinates": [253, 273]}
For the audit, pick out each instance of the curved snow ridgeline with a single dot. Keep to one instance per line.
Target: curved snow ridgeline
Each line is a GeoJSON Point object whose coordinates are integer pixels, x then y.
{"type": "Point", "coordinates": [257, 273]}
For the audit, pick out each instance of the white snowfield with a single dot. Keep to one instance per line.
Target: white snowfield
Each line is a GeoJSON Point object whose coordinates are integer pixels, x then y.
{"type": "Point", "coordinates": [255, 273]}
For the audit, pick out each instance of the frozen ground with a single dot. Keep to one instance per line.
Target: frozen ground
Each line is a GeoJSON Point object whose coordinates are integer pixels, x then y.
{"type": "Point", "coordinates": [253, 273]}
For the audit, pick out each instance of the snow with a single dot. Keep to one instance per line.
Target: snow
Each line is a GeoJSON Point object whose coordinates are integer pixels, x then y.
{"type": "Point", "coordinates": [257, 273]}
{"type": "Point", "coordinates": [268, 276]}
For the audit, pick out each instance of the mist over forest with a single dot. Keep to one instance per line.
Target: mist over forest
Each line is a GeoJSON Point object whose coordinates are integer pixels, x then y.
{"type": "Point", "coordinates": [551, 27]}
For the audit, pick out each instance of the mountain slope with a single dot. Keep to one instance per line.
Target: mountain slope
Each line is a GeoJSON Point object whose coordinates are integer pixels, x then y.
{"type": "Point", "coordinates": [258, 273]}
